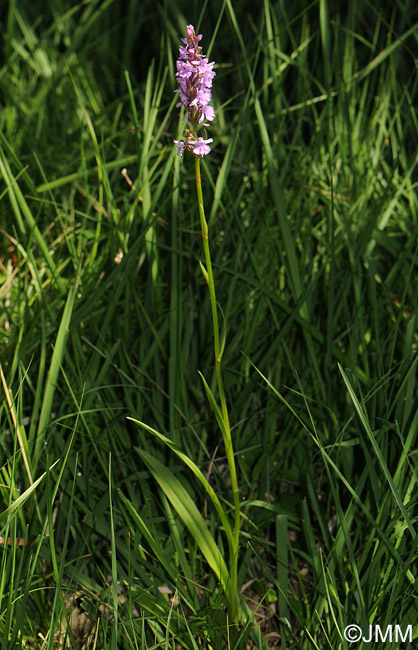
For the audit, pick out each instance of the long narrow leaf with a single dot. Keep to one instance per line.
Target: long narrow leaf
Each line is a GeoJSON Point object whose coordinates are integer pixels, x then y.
{"type": "Point", "coordinates": [54, 368]}
{"type": "Point", "coordinates": [196, 471]}
{"type": "Point", "coordinates": [189, 514]}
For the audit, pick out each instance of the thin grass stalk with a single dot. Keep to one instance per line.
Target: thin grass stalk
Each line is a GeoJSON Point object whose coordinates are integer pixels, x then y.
{"type": "Point", "coordinates": [233, 593]}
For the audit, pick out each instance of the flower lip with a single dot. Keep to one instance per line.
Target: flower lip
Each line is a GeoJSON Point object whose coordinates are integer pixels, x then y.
{"type": "Point", "coordinates": [200, 147]}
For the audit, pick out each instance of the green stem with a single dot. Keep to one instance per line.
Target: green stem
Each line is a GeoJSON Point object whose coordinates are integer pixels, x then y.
{"type": "Point", "coordinates": [233, 597]}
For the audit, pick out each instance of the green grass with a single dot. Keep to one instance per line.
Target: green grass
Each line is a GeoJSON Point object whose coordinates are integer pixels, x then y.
{"type": "Point", "coordinates": [115, 535]}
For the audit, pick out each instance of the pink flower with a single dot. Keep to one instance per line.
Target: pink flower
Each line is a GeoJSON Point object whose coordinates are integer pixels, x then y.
{"type": "Point", "coordinates": [200, 147]}
{"type": "Point", "coordinates": [207, 114]}
{"type": "Point", "coordinates": [180, 146]}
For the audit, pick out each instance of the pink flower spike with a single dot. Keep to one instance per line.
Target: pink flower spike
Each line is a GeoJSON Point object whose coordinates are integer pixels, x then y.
{"type": "Point", "coordinates": [194, 77]}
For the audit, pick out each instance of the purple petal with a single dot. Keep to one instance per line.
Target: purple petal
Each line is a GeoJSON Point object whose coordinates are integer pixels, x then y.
{"type": "Point", "coordinates": [180, 146]}
{"type": "Point", "coordinates": [208, 113]}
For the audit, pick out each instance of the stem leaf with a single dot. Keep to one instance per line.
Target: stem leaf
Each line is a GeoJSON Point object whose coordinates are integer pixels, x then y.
{"type": "Point", "coordinates": [189, 514]}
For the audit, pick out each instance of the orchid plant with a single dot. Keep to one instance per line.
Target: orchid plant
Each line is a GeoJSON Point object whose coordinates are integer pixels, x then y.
{"type": "Point", "coordinates": [195, 75]}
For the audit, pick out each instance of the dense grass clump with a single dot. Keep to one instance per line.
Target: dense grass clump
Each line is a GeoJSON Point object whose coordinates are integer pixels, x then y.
{"type": "Point", "coordinates": [115, 485]}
